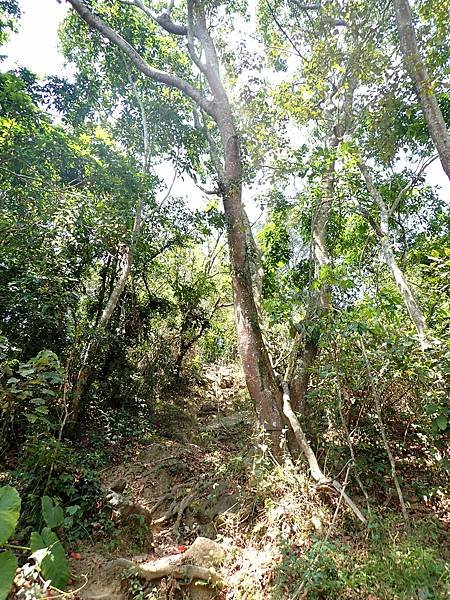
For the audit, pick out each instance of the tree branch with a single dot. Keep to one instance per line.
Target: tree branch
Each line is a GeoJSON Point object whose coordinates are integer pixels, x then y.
{"type": "Point", "coordinates": [371, 186]}
{"type": "Point", "coordinates": [190, 35]}
{"type": "Point", "coordinates": [163, 19]}
{"type": "Point", "coordinates": [411, 183]}
{"type": "Point", "coordinates": [96, 22]}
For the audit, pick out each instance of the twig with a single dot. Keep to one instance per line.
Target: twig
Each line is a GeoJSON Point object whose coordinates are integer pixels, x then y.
{"type": "Point", "coordinates": [327, 535]}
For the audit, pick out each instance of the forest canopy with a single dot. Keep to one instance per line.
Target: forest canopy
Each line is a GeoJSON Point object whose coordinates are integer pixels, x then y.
{"type": "Point", "coordinates": [225, 302]}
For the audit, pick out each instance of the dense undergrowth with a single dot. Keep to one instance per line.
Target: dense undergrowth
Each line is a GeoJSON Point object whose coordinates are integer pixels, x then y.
{"type": "Point", "coordinates": [285, 538]}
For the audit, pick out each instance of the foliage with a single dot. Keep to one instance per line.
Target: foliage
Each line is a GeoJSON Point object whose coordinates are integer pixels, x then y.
{"type": "Point", "coordinates": [47, 551]}
{"type": "Point", "coordinates": [319, 91]}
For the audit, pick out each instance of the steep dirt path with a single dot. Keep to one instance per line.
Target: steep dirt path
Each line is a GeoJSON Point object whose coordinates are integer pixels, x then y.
{"type": "Point", "coordinates": [182, 490]}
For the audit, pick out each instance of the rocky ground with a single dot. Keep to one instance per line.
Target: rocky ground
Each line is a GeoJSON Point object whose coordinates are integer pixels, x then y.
{"type": "Point", "coordinates": [202, 513]}
{"type": "Point", "coordinates": [174, 501]}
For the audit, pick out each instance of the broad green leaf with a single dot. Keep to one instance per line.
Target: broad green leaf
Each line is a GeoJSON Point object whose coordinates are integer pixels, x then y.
{"type": "Point", "coordinates": [9, 512]}
{"type": "Point", "coordinates": [54, 566]}
{"type": "Point", "coordinates": [8, 566]}
{"type": "Point", "coordinates": [53, 513]}
{"type": "Point", "coordinates": [441, 422]}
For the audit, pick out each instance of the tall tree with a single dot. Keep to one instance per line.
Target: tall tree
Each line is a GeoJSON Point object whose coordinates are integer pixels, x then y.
{"type": "Point", "coordinates": [260, 377]}
{"type": "Point", "coordinates": [423, 83]}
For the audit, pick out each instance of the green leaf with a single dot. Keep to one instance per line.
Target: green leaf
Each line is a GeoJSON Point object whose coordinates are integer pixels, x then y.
{"type": "Point", "coordinates": [54, 565]}
{"type": "Point", "coordinates": [8, 566]}
{"type": "Point", "coordinates": [53, 514]}
{"type": "Point", "coordinates": [441, 422]}
{"type": "Point", "coordinates": [9, 512]}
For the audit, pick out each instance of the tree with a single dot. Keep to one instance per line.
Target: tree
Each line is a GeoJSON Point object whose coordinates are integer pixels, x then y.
{"type": "Point", "coordinates": [261, 380]}
{"type": "Point", "coordinates": [423, 82]}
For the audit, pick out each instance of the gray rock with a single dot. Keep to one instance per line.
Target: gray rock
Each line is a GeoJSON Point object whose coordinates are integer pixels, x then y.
{"type": "Point", "coordinates": [205, 553]}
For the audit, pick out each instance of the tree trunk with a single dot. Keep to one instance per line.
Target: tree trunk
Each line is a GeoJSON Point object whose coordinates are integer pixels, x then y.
{"type": "Point", "coordinates": [320, 254]}
{"type": "Point", "coordinates": [382, 232]}
{"type": "Point", "coordinates": [412, 306]}
{"type": "Point", "coordinates": [423, 84]}
{"type": "Point", "coordinates": [320, 299]}
{"type": "Point", "coordinates": [126, 267]}
{"type": "Point", "coordinates": [86, 368]}
{"type": "Point", "coordinates": [259, 374]}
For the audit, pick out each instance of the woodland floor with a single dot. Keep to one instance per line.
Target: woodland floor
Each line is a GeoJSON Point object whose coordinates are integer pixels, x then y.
{"type": "Point", "coordinates": [283, 539]}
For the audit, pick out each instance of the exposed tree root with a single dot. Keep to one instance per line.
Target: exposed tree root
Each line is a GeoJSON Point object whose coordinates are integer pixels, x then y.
{"type": "Point", "coordinates": [177, 506]}
{"type": "Point", "coordinates": [196, 563]}
{"type": "Point", "coordinates": [169, 566]}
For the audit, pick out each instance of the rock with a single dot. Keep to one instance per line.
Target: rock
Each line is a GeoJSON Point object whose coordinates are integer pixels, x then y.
{"type": "Point", "coordinates": [231, 421]}
{"type": "Point", "coordinates": [317, 524]}
{"type": "Point", "coordinates": [204, 553]}
{"type": "Point", "coordinates": [226, 503]}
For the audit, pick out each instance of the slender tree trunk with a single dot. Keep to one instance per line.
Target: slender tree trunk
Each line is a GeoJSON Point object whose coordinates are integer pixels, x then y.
{"type": "Point", "coordinates": [320, 254]}
{"type": "Point", "coordinates": [412, 306]}
{"type": "Point", "coordinates": [422, 81]}
{"type": "Point", "coordinates": [320, 299]}
{"type": "Point", "coordinates": [126, 267]}
{"type": "Point", "coordinates": [386, 445]}
{"type": "Point", "coordinates": [383, 232]}
{"type": "Point", "coordinates": [86, 367]}
{"type": "Point", "coordinates": [260, 377]}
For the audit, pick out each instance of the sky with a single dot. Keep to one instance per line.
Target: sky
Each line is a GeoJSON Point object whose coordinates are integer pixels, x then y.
{"type": "Point", "coordinates": [36, 46]}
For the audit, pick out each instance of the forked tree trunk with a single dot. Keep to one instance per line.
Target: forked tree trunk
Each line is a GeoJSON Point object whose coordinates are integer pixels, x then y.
{"type": "Point", "coordinates": [422, 82]}
{"type": "Point", "coordinates": [263, 386]}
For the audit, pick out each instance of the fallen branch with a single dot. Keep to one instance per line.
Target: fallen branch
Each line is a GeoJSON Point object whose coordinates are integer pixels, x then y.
{"type": "Point", "coordinates": [316, 472]}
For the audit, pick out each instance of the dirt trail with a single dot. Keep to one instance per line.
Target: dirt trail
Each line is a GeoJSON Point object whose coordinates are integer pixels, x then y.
{"type": "Point", "coordinates": [185, 488]}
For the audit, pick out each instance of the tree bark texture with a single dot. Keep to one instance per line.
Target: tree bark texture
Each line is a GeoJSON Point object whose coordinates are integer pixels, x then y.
{"type": "Point", "coordinates": [260, 377]}
{"type": "Point", "coordinates": [424, 86]}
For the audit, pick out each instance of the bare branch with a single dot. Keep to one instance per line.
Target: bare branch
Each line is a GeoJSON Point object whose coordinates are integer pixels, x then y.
{"type": "Point", "coordinates": [96, 22]}
{"type": "Point", "coordinates": [190, 34]}
{"type": "Point", "coordinates": [412, 182]}
{"type": "Point", "coordinates": [374, 192]}
{"type": "Point", "coordinates": [163, 19]}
